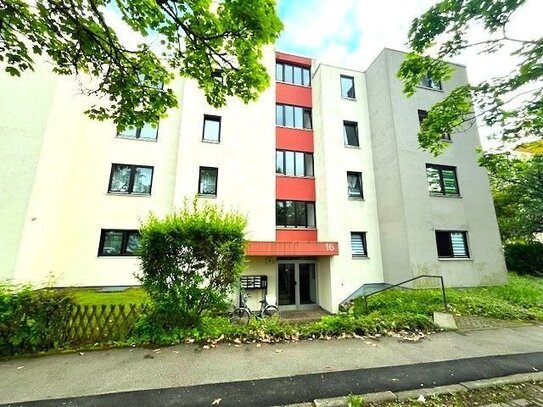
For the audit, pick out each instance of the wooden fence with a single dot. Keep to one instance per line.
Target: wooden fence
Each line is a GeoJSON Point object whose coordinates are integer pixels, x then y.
{"type": "Point", "coordinates": [89, 324]}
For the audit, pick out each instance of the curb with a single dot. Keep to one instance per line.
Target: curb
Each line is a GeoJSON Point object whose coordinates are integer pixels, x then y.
{"type": "Point", "coordinates": [384, 396]}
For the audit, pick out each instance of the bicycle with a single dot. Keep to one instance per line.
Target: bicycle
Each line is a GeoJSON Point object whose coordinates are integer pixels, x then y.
{"type": "Point", "coordinates": [243, 314]}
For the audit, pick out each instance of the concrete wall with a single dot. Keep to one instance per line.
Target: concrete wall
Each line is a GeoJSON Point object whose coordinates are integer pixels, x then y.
{"type": "Point", "coordinates": [418, 214]}
{"type": "Point", "coordinates": [324, 284]}
{"type": "Point", "coordinates": [25, 102]}
{"type": "Point", "coordinates": [391, 208]}
{"type": "Point", "coordinates": [67, 193]}
{"type": "Point", "coordinates": [337, 214]}
{"type": "Point", "coordinates": [261, 266]}
{"type": "Point", "coordinates": [245, 155]}
{"type": "Point", "coordinates": [70, 202]}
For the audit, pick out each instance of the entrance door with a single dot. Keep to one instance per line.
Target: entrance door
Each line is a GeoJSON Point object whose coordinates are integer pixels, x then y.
{"type": "Point", "coordinates": [297, 284]}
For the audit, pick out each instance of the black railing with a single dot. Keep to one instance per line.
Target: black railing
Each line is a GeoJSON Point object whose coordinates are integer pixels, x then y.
{"type": "Point", "coordinates": [408, 281]}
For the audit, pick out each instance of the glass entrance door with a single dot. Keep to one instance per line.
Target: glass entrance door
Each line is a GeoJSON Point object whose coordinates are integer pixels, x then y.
{"type": "Point", "coordinates": [287, 284]}
{"type": "Point", "coordinates": [307, 283]}
{"type": "Point", "coordinates": [297, 284]}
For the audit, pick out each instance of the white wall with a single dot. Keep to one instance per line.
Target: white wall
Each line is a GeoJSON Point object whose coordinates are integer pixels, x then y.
{"type": "Point", "coordinates": [25, 105]}
{"type": "Point", "coordinates": [261, 266]}
{"type": "Point", "coordinates": [324, 284]}
{"type": "Point", "coordinates": [69, 202]}
{"type": "Point", "coordinates": [420, 213]}
{"type": "Point", "coordinates": [245, 155]}
{"type": "Point", "coordinates": [337, 215]}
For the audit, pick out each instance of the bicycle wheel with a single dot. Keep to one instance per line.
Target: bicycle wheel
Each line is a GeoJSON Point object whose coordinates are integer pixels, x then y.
{"type": "Point", "coordinates": [240, 316]}
{"type": "Point", "coordinates": [270, 311]}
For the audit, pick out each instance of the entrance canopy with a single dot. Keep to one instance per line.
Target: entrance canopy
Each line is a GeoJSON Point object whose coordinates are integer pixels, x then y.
{"type": "Point", "coordinates": [292, 249]}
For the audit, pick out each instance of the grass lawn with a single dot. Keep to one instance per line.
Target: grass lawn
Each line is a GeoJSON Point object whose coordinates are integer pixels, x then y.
{"type": "Point", "coordinates": [521, 299]}
{"type": "Point", "coordinates": [90, 296]}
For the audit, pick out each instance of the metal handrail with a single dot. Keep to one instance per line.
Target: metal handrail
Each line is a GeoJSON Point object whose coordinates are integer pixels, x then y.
{"type": "Point", "coordinates": [408, 281]}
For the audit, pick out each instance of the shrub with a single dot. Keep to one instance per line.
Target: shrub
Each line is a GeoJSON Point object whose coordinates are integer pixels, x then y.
{"type": "Point", "coordinates": [525, 258]}
{"type": "Point", "coordinates": [212, 329]}
{"type": "Point", "coordinates": [30, 320]}
{"type": "Point", "coordinates": [190, 261]}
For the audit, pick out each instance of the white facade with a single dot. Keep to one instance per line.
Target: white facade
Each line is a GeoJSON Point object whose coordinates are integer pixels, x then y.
{"type": "Point", "coordinates": [56, 165]}
{"type": "Point", "coordinates": [408, 214]}
{"type": "Point", "coordinates": [338, 214]}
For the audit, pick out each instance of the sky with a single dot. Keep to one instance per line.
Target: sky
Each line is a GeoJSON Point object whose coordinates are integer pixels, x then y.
{"type": "Point", "coordinates": [351, 33]}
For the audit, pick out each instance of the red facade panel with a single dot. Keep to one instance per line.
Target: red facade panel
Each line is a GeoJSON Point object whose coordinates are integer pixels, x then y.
{"type": "Point", "coordinates": [292, 248]}
{"type": "Point", "coordinates": [295, 188]}
{"type": "Point", "coordinates": [293, 95]}
{"type": "Point", "coordinates": [296, 235]}
{"type": "Point", "coordinates": [287, 138]}
{"type": "Point", "coordinates": [293, 59]}
{"type": "Point", "coordinates": [294, 242]}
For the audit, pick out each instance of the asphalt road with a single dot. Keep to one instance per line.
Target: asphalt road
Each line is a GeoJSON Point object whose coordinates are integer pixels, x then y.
{"type": "Point", "coordinates": [303, 388]}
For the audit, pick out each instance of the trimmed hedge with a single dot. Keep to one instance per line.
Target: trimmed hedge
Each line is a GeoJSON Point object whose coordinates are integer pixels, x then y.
{"type": "Point", "coordinates": [525, 258]}
{"type": "Point", "coordinates": [32, 321]}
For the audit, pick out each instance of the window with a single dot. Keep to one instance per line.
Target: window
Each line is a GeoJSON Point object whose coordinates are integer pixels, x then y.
{"type": "Point", "coordinates": [423, 114]}
{"type": "Point", "coordinates": [452, 244]}
{"type": "Point", "coordinates": [428, 82]}
{"type": "Point", "coordinates": [354, 184]}
{"type": "Point", "coordinates": [442, 180]}
{"type": "Point", "coordinates": [292, 74]}
{"type": "Point", "coordinates": [118, 242]}
{"type": "Point", "coordinates": [145, 81]}
{"type": "Point", "coordinates": [293, 116]}
{"type": "Point", "coordinates": [212, 128]}
{"type": "Point", "coordinates": [359, 247]}
{"type": "Point", "coordinates": [207, 184]}
{"type": "Point", "coordinates": [147, 132]}
{"type": "Point", "coordinates": [294, 163]}
{"type": "Point", "coordinates": [130, 179]}
{"type": "Point", "coordinates": [217, 76]}
{"type": "Point", "coordinates": [347, 87]}
{"type": "Point", "coordinates": [295, 214]}
{"type": "Point", "coordinates": [350, 134]}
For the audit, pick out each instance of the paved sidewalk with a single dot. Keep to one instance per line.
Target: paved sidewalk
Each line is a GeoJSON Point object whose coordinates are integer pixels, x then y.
{"type": "Point", "coordinates": [124, 370]}
{"type": "Point", "coordinates": [472, 322]}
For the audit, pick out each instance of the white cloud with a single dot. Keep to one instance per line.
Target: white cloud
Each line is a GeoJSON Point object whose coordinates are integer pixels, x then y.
{"type": "Point", "coordinates": [311, 25]}
{"type": "Point", "coordinates": [352, 33]}
{"type": "Point", "coordinates": [127, 36]}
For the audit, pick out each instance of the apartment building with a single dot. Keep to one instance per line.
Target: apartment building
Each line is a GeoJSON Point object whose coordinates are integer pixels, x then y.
{"type": "Point", "coordinates": [325, 165]}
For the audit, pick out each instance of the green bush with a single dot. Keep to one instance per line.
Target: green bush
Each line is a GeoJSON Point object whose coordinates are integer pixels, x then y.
{"type": "Point", "coordinates": [525, 258]}
{"type": "Point", "coordinates": [190, 262]}
{"type": "Point", "coordinates": [32, 320]}
{"type": "Point", "coordinates": [212, 329]}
